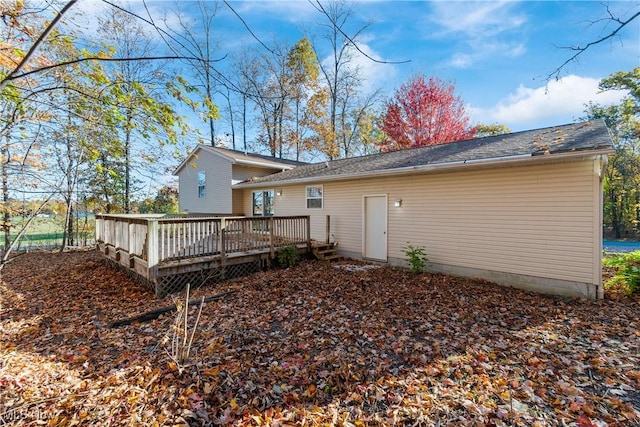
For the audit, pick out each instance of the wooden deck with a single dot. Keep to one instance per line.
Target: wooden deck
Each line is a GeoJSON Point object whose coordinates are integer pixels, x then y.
{"type": "Point", "coordinates": [167, 252]}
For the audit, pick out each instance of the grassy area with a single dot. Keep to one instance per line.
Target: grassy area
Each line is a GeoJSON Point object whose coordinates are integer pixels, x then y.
{"type": "Point", "coordinates": [47, 231]}
{"type": "Point", "coordinates": [624, 272]}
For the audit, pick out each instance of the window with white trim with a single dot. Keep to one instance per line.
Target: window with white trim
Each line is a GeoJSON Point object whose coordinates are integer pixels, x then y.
{"type": "Point", "coordinates": [202, 182]}
{"type": "Point", "coordinates": [314, 197]}
{"type": "Point", "coordinates": [263, 203]}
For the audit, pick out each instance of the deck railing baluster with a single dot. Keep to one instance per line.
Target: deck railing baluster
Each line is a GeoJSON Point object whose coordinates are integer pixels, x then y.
{"type": "Point", "coordinates": [152, 244]}
{"type": "Point", "coordinates": [186, 246]}
{"type": "Point", "coordinates": [175, 237]}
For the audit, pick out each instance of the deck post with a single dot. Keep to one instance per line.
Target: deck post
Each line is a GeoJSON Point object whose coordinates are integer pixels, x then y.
{"type": "Point", "coordinates": [328, 225]}
{"type": "Point", "coordinates": [152, 251]}
{"type": "Point", "coordinates": [271, 242]}
{"type": "Point", "coordinates": [131, 244]}
{"type": "Point", "coordinates": [308, 233]}
{"type": "Point", "coordinates": [222, 241]}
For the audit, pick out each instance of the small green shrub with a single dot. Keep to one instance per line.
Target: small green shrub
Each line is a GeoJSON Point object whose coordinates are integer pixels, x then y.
{"type": "Point", "coordinates": [288, 256]}
{"type": "Point", "coordinates": [417, 257]}
{"type": "Point", "coordinates": [627, 271]}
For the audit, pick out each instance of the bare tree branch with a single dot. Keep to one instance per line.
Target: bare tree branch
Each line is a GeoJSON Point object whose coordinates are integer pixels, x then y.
{"type": "Point", "coordinates": [36, 44]}
{"type": "Point", "coordinates": [581, 49]}
{"type": "Point", "coordinates": [247, 27]}
{"type": "Point", "coordinates": [17, 74]}
{"type": "Point", "coordinates": [318, 6]}
{"type": "Point", "coordinates": [163, 34]}
{"type": "Point", "coordinates": [96, 58]}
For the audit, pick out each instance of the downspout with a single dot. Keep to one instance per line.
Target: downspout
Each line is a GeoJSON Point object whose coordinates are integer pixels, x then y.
{"type": "Point", "coordinates": [604, 161]}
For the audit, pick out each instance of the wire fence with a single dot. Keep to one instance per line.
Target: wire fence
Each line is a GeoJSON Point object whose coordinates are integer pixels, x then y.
{"type": "Point", "coordinates": [47, 234]}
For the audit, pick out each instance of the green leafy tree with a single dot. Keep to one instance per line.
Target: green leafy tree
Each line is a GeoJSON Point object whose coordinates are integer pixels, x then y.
{"type": "Point", "coordinates": [81, 126]}
{"type": "Point", "coordinates": [21, 112]}
{"type": "Point", "coordinates": [196, 35]}
{"type": "Point", "coordinates": [303, 71]}
{"type": "Point", "coordinates": [622, 177]}
{"type": "Point", "coordinates": [166, 201]}
{"type": "Point", "coordinates": [136, 91]}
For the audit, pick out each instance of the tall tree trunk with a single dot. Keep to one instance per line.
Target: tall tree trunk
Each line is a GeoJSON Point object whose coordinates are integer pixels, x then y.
{"type": "Point", "coordinates": [233, 128]}
{"type": "Point", "coordinates": [244, 122]}
{"type": "Point", "coordinates": [212, 132]}
{"type": "Point", "coordinates": [67, 230]}
{"type": "Point", "coordinates": [6, 215]}
{"type": "Point", "coordinates": [69, 198]}
{"type": "Point", "coordinates": [209, 89]}
{"type": "Point", "coordinates": [297, 129]}
{"type": "Point", "coordinates": [280, 125]}
{"type": "Point", "coordinates": [70, 227]}
{"type": "Point", "coordinates": [127, 163]}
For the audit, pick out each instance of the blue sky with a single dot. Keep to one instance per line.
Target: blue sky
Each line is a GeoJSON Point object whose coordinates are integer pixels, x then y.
{"type": "Point", "coordinates": [498, 54]}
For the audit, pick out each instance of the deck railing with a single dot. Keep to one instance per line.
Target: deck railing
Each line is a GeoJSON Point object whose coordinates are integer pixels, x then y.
{"type": "Point", "coordinates": [156, 239]}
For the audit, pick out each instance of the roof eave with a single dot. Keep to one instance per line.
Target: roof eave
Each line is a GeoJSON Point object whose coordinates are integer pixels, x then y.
{"type": "Point", "coordinates": [439, 167]}
{"type": "Point", "coordinates": [182, 164]}
{"type": "Point", "coordinates": [232, 159]}
{"type": "Point", "coordinates": [270, 165]}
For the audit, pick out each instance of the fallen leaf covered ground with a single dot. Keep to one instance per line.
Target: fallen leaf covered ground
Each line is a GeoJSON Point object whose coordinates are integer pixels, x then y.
{"type": "Point", "coordinates": [318, 344]}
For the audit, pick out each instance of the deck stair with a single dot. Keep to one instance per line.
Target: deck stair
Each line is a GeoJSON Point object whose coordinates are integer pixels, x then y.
{"type": "Point", "coordinates": [326, 252]}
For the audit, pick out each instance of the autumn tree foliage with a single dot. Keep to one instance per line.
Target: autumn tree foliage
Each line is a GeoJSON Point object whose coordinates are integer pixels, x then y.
{"type": "Point", "coordinates": [424, 112]}
{"type": "Point", "coordinates": [481, 130]}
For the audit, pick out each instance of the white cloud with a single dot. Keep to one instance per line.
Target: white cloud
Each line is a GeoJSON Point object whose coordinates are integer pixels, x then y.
{"type": "Point", "coordinates": [374, 75]}
{"type": "Point", "coordinates": [483, 29]}
{"type": "Point", "coordinates": [489, 50]}
{"type": "Point", "coordinates": [475, 19]}
{"type": "Point", "coordinates": [461, 60]}
{"type": "Point", "coordinates": [560, 101]}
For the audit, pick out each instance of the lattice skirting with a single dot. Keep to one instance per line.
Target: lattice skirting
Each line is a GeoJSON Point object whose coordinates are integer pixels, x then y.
{"type": "Point", "coordinates": [177, 282]}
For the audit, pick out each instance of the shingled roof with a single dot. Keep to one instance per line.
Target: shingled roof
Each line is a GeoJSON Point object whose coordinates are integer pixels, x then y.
{"type": "Point", "coordinates": [575, 138]}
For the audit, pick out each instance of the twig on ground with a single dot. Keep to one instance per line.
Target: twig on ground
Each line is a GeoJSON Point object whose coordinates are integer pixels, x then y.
{"type": "Point", "coordinates": [154, 314]}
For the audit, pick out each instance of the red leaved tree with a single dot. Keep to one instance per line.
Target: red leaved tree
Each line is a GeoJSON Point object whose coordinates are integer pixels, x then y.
{"type": "Point", "coordinates": [424, 113]}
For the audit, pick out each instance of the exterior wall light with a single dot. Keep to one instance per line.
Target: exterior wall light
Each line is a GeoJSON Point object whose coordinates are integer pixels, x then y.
{"type": "Point", "coordinates": [397, 203]}
{"type": "Point", "coordinates": [278, 192]}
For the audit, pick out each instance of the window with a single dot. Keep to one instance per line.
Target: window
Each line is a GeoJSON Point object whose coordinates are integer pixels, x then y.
{"type": "Point", "coordinates": [263, 203]}
{"type": "Point", "coordinates": [314, 197]}
{"type": "Point", "coordinates": [202, 181]}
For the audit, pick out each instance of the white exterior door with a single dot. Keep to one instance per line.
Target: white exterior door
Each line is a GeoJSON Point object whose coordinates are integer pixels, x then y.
{"type": "Point", "coordinates": [375, 227]}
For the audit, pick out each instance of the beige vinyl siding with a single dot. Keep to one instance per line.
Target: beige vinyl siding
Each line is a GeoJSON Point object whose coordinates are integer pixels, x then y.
{"type": "Point", "coordinates": [247, 205]}
{"type": "Point", "coordinates": [538, 220]}
{"type": "Point", "coordinates": [238, 203]}
{"type": "Point", "coordinates": [218, 184]}
{"type": "Point", "coordinates": [535, 221]}
{"type": "Point", "coordinates": [245, 172]}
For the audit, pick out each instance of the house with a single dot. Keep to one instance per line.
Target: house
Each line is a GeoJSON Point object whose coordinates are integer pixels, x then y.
{"type": "Point", "coordinates": [522, 209]}
{"type": "Point", "coordinates": [206, 178]}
